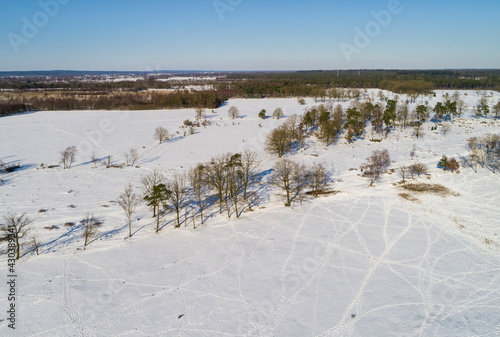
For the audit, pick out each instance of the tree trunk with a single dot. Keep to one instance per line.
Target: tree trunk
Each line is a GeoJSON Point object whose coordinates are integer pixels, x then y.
{"type": "Point", "coordinates": [220, 201]}
{"type": "Point", "coordinates": [18, 248]}
{"type": "Point", "coordinates": [129, 228]}
{"type": "Point", "coordinates": [236, 207]}
{"type": "Point", "coordinates": [158, 219]}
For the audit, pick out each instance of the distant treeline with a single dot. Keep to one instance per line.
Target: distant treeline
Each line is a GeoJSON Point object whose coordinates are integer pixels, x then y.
{"type": "Point", "coordinates": [308, 83]}
{"type": "Point", "coordinates": [20, 83]}
{"type": "Point", "coordinates": [124, 101]}
{"type": "Point", "coordinates": [271, 82]}
{"type": "Point", "coordinates": [107, 95]}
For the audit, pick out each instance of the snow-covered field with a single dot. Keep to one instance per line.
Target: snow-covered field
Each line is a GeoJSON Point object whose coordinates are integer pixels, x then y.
{"type": "Point", "coordinates": [362, 262]}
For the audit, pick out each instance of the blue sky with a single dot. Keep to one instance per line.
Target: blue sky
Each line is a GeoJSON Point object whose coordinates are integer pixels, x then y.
{"type": "Point", "coordinates": [248, 34]}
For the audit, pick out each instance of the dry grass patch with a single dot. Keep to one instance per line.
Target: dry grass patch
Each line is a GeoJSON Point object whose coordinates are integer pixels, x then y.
{"type": "Point", "coordinates": [324, 193]}
{"type": "Point", "coordinates": [435, 189]}
{"type": "Point", "coordinates": [409, 197]}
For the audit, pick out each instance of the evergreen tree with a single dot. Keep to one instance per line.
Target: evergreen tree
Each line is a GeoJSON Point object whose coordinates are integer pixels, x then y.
{"type": "Point", "coordinates": [158, 195]}
{"type": "Point", "coordinates": [389, 115]}
{"type": "Point", "coordinates": [443, 162]}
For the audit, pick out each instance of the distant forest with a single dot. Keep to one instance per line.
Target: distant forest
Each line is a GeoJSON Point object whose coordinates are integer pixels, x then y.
{"type": "Point", "coordinates": [69, 92]}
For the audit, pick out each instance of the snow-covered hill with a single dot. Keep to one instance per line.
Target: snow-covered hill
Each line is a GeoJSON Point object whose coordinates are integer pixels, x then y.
{"type": "Point", "coordinates": [361, 262]}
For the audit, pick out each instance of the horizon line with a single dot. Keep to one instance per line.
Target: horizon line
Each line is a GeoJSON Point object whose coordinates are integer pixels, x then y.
{"type": "Point", "coordinates": [241, 71]}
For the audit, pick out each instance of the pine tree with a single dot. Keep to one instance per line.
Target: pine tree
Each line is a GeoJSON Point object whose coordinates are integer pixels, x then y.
{"type": "Point", "coordinates": [158, 195]}
{"type": "Point", "coordinates": [443, 162]}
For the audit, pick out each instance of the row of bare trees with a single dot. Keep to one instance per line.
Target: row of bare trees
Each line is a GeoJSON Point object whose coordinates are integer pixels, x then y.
{"type": "Point", "coordinates": [229, 180]}
{"type": "Point", "coordinates": [68, 157]}
{"type": "Point", "coordinates": [230, 177]}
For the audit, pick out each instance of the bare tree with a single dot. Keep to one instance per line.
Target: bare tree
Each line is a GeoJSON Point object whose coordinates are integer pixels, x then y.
{"type": "Point", "coordinates": [417, 169]}
{"type": "Point", "coordinates": [16, 227]}
{"type": "Point", "coordinates": [107, 163]}
{"type": "Point", "coordinates": [68, 156]}
{"type": "Point", "coordinates": [233, 112]}
{"type": "Point", "coordinates": [131, 157]}
{"type": "Point", "coordinates": [249, 165]}
{"type": "Point", "coordinates": [200, 188]}
{"type": "Point", "coordinates": [216, 176]}
{"type": "Point", "coordinates": [445, 129]}
{"type": "Point", "coordinates": [161, 134]}
{"type": "Point", "coordinates": [482, 156]}
{"type": "Point", "coordinates": [278, 141]}
{"type": "Point", "coordinates": [200, 113]}
{"type": "Point", "coordinates": [149, 182]}
{"type": "Point", "coordinates": [376, 165]}
{"type": "Point", "coordinates": [403, 172]}
{"type": "Point", "coordinates": [319, 178]}
{"type": "Point", "coordinates": [473, 143]}
{"type": "Point", "coordinates": [338, 119]}
{"type": "Point", "coordinates": [460, 107]}
{"type": "Point", "coordinates": [301, 139]}
{"type": "Point", "coordinates": [129, 201]}
{"type": "Point", "coordinates": [278, 113]}
{"type": "Point", "coordinates": [496, 110]}
{"type": "Point", "coordinates": [473, 157]}
{"type": "Point", "coordinates": [291, 124]}
{"type": "Point", "coordinates": [491, 142]}
{"type": "Point", "coordinates": [178, 195]}
{"type": "Point", "coordinates": [90, 228]}
{"type": "Point", "coordinates": [287, 175]}
{"type": "Point", "coordinates": [402, 114]}
{"type": "Point", "coordinates": [300, 180]}
{"type": "Point", "coordinates": [234, 186]}
{"type": "Point", "coordinates": [417, 129]}
{"type": "Point", "coordinates": [94, 159]}
{"type": "Point", "coordinates": [35, 244]}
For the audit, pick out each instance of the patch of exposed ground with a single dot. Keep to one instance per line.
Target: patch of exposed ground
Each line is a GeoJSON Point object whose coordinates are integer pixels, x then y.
{"type": "Point", "coordinates": [435, 189]}
{"type": "Point", "coordinates": [409, 197]}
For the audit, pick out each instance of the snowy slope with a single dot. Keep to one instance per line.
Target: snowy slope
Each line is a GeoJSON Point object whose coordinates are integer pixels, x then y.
{"type": "Point", "coordinates": [401, 268]}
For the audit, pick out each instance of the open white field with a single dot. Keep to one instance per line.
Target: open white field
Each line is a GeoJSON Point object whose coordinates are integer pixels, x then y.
{"type": "Point", "coordinates": [362, 262]}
